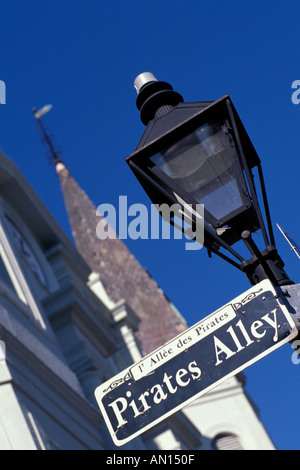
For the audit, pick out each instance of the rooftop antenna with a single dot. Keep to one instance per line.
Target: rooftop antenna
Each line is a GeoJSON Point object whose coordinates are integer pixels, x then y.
{"type": "Point", "coordinates": [291, 242]}
{"type": "Point", "coordinates": [47, 138]}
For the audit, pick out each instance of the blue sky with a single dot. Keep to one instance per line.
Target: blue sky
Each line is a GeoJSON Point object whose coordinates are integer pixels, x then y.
{"type": "Point", "coordinates": [82, 56]}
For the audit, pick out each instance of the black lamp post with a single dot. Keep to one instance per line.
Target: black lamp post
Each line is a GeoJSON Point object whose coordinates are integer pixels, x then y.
{"type": "Point", "coordinates": [199, 153]}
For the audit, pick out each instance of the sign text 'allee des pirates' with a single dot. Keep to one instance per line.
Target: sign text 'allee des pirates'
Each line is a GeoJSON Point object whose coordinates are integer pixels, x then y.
{"type": "Point", "coordinates": [218, 347]}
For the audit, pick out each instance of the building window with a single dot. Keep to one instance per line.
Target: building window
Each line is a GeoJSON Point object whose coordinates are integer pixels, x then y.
{"type": "Point", "coordinates": [227, 441]}
{"type": "Point", "coordinates": [11, 273]}
{"type": "Point", "coordinates": [36, 432]}
{"type": "Point", "coordinates": [7, 274]}
{"type": "Point", "coordinates": [27, 254]}
{"type": "Point", "coordinates": [4, 276]}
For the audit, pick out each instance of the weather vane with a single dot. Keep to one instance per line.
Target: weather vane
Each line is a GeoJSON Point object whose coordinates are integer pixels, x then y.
{"type": "Point", "coordinates": [47, 138]}
{"type": "Point", "coordinates": [292, 243]}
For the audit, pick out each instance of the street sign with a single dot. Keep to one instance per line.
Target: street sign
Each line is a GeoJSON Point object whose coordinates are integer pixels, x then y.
{"type": "Point", "coordinates": [218, 347]}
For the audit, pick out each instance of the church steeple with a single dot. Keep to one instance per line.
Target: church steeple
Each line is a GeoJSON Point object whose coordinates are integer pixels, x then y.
{"type": "Point", "coordinates": [121, 274]}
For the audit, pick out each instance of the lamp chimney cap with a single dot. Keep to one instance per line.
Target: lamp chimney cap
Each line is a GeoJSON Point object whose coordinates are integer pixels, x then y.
{"type": "Point", "coordinates": [143, 79]}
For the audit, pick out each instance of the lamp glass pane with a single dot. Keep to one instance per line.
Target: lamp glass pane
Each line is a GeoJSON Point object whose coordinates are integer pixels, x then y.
{"type": "Point", "coordinates": [202, 165]}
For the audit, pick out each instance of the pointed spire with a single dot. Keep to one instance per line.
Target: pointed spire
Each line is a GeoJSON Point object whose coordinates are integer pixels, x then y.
{"type": "Point", "coordinates": [122, 275]}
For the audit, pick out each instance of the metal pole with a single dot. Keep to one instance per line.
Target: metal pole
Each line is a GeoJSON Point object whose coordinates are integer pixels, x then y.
{"type": "Point", "coordinates": [247, 239]}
